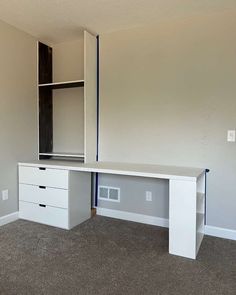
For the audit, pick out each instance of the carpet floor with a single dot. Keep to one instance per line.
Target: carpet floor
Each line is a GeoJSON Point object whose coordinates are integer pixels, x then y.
{"type": "Point", "coordinates": [105, 256]}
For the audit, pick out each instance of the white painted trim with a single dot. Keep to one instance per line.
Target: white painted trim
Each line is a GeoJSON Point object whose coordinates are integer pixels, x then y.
{"type": "Point", "coordinates": [141, 218]}
{"type": "Point", "coordinates": [209, 230]}
{"type": "Point", "coordinates": [9, 218]}
{"type": "Point", "coordinates": [220, 232]}
{"type": "Point", "coordinates": [213, 231]}
{"type": "Point", "coordinates": [60, 83]}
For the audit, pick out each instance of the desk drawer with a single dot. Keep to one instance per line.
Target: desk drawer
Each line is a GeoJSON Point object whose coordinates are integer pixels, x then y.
{"type": "Point", "coordinates": [43, 195]}
{"type": "Point", "coordinates": [44, 176]}
{"type": "Point", "coordinates": [46, 215]}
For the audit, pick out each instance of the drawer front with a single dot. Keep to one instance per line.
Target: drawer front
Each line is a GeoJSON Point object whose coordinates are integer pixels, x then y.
{"type": "Point", "coordinates": [47, 215]}
{"type": "Point", "coordinates": [44, 176]}
{"type": "Point", "coordinates": [43, 195]}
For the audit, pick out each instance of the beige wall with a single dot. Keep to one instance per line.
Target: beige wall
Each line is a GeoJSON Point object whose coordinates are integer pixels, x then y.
{"type": "Point", "coordinates": [68, 60]}
{"type": "Point", "coordinates": [168, 96]}
{"type": "Point", "coordinates": [68, 104]}
{"type": "Point", "coordinates": [18, 110]}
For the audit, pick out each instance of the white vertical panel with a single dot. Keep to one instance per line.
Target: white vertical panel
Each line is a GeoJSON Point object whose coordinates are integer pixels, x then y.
{"type": "Point", "coordinates": [90, 97]}
{"type": "Point", "coordinates": [182, 222]}
{"type": "Point", "coordinates": [79, 197]}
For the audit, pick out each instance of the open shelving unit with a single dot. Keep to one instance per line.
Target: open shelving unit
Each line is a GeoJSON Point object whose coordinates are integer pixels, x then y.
{"type": "Point", "coordinates": [200, 215]}
{"type": "Point", "coordinates": [67, 99]}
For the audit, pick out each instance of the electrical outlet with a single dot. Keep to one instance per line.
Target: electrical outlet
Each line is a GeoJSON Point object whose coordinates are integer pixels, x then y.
{"type": "Point", "coordinates": [231, 136]}
{"type": "Point", "coordinates": [148, 196]}
{"type": "Point", "coordinates": [5, 195]}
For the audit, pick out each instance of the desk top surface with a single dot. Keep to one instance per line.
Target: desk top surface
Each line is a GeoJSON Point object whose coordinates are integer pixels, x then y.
{"type": "Point", "coordinates": [143, 170]}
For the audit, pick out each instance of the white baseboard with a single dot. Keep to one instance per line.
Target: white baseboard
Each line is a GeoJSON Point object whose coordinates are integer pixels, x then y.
{"type": "Point", "coordinates": [209, 230]}
{"type": "Point", "coordinates": [141, 218]}
{"type": "Point", "coordinates": [220, 232]}
{"type": "Point", "coordinates": [9, 218]}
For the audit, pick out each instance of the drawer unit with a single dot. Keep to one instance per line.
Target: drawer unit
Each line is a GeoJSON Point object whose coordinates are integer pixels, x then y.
{"type": "Point", "coordinates": [44, 214]}
{"type": "Point", "coordinates": [53, 196]}
{"type": "Point", "coordinates": [44, 195]}
{"type": "Point", "coordinates": [44, 176]}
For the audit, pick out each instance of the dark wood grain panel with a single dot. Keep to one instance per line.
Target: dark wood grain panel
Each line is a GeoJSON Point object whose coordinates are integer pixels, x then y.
{"type": "Point", "coordinates": [45, 75]}
{"type": "Point", "coordinates": [45, 120]}
{"type": "Point", "coordinates": [45, 63]}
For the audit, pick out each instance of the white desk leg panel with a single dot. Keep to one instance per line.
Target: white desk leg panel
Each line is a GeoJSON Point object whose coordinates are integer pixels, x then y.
{"type": "Point", "coordinates": [182, 218]}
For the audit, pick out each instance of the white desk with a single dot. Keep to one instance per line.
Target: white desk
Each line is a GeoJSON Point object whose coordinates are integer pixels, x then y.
{"type": "Point", "coordinates": [186, 193]}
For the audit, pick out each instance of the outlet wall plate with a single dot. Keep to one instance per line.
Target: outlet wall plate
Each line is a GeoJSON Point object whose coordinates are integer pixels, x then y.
{"type": "Point", "coordinates": [148, 196]}
{"type": "Point", "coordinates": [5, 195]}
{"type": "Point", "coordinates": [231, 135]}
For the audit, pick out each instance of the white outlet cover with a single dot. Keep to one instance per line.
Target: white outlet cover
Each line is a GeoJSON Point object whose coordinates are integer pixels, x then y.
{"type": "Point", "coordinates": [231, 136]}
{"type": "Point", "coordinates": [148, 196]}
{"type": "Point", "coordinates": [5, 195]}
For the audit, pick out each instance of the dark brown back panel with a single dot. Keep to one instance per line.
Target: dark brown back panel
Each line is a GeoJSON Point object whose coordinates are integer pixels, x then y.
{"type": "Point", "coordinates": [45, 120]}
{"type": "Point", "coordinates": [45, 63]}
{"type": "Point", "coordinates": [45, 99]}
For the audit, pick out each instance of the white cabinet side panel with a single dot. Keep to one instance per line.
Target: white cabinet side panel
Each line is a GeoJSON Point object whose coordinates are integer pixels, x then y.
{"type": "Point", "coordinates": [90, 97]}
{"type": "Point", "coordinates": [182, 222]}
{"type": "Point", "coordinates": [79, 197]}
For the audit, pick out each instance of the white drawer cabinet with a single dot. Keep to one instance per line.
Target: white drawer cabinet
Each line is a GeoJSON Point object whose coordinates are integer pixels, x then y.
{"type": "Point", "coordinates": [52, 196]}
{"type": "Point", "coordinates": [44, 176]}
{"type": "Point", "coordinates": [44, 214]}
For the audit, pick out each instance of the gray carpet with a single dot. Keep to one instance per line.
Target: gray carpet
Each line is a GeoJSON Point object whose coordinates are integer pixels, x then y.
{"type": "Point", "coordinates": [109, 256]}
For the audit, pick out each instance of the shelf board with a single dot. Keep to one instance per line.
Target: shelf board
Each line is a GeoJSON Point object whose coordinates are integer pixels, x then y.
{"type": "Point", "coordinates": [66, 84]}
{"type": "Point", "coordinates": [57, 154]}
{"type": "Point", "coordinates": [200, 221]}
{"type": "Point", "coordinates": [200, 230]}
{"type": "Point", "coordinates": [200, 203]}
{"type": "Point", "coordinates": [199, 239]}
{"type": "Point", "coordinates": [200, 195]}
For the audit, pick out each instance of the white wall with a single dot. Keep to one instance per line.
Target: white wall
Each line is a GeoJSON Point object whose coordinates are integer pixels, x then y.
{"type": "Point", "coordinates": [18, 108]}
{"type": "Point", "coordinates": [68, 104]}
{"type": "Point", "coordinates": [168, 96]}
{"type": "Point", "coordinates": [68, 60]}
